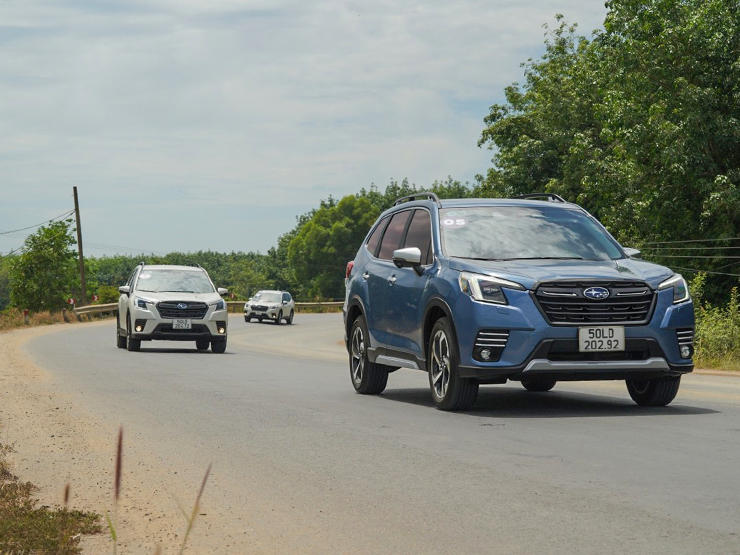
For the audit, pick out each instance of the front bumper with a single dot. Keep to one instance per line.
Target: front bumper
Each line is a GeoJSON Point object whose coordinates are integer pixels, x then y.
{"type": "Point", "coordinates": [535, 348]}
{"type": "Point", "coordinates": [157, 328]}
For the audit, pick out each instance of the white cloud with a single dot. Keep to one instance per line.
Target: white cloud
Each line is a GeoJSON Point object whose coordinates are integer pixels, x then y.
{"type": "Point", "coordinates": [182, 103]}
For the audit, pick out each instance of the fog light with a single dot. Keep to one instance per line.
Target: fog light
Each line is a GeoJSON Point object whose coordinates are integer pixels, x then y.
{"type": "Point", "coordinates": [485, 354]}
{"type": "Point", "coordinates": [685, 351]}
{"type": "Point", "coordinates": [139, 328]}
{"type": "Point", "coordinates": [221, 330]}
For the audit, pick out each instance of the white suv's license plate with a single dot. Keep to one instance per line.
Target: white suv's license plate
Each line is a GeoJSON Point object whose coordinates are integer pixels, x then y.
{"type": "Point", "coordinates": [601, 338]}
{"type": "Point", "coordinates": [181, 324]}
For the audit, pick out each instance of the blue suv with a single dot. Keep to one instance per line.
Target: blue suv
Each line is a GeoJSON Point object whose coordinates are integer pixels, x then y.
{"type": "Point", "coordinates": [481, 291]}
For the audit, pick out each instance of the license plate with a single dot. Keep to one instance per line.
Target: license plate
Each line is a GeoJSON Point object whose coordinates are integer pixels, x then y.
{"type": "Point", "coordinates": [181, 324]}
{"type": "Point", "coordinates": [601, 338]}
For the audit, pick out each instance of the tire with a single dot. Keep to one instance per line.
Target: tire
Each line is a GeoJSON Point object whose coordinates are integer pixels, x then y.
{"type": "Point", "coordinates": [247, 318]}
{"type": "Point", "coordinates": [218, 346]}
{"type": "Point", "coordinates": [260, 320]}
{"type": "Point", "coordinates": [539, 384]}
{"type": "Point", "coordinates": [120, 339]}
{"type": "Point", "coordinates": [289, 319]}
{"type": "Point", "coordinates": [449, 390]}
{"type": "Point", "coordinates": [654, 393]}
{"type": "Point", "coordinates": [279, 318]}
{"type": "Point", "coordinates": [367, 377]}
{"type": "Point", "coordinates": [202, 344]}
{"type": "Point", "coordinates": [132, 344]}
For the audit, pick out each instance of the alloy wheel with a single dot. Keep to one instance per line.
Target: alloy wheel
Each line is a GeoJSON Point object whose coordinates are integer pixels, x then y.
{"type": "Point", "coordinates": [358, 354]}
{"type": "Point", "coordinates": [440, 364]}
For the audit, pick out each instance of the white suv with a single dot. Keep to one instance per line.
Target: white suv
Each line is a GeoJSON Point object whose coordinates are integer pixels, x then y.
{"type": "Point", "coordinates": [274, 305]}
{"type": "Point", "coordinates": [176, 303]}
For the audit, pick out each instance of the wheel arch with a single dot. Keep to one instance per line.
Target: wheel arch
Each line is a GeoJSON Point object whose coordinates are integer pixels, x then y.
{"type": "Point", "coordinates": [436, 309]}
{"type": "Point", "coordinates": [355, 308]}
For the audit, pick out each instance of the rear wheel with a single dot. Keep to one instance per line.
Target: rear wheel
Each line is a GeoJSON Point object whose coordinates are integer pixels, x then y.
{"type": "Point", "coordinates": [202, 344]}
{"type": "Point", "coordinates": [654, 393]}
{"type": "Point", "coordinates": [279, 318]}
{"type": "Point", "coordinates": [540, 384]}
{"type": "Point", "coordinates": [367, 377]}
{"type": "Point", "coordinates": [218, 345]}
{"type": "Point", "coordinates": [289, 319]}
{"type": "Point", "coordinates": [449, 390]}
{"type": "Point", "coordinates": [132, 344]}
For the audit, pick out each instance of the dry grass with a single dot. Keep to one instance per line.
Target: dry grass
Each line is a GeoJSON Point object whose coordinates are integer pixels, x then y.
{"type": "Point", "coordinates": [11, 319]}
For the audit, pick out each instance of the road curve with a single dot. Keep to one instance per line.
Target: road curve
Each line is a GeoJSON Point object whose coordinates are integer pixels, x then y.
{"type": "Point", "coordinates": [302, 464]}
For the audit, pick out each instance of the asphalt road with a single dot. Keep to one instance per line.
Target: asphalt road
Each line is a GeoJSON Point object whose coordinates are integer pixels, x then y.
{"type": "Point", "coordinates": [303, 464]}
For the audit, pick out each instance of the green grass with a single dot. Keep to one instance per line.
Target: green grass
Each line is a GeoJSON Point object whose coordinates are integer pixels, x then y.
{"type": "Point", "coordinates": [27, 528]}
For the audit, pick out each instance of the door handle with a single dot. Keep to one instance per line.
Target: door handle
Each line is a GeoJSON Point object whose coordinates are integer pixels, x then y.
{"type": "Point", "coordinates": [392, 280]}
{"type": "Point", "coordinates": [366, 275]}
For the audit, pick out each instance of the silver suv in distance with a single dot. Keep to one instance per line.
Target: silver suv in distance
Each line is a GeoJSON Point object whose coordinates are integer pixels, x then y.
{"type": "Point", "coordinates": [175, 303]}
{"type": "Point", "coordinates": [272, 305]}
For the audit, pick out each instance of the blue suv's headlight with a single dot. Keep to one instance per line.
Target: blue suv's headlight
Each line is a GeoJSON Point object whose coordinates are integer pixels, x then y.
{"type": "Point", "coordinates": [486, 288]}
{"type": "Point", "coordinates": [680, 288]}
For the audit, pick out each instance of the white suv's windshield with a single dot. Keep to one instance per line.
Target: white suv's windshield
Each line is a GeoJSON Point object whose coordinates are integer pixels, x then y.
{"type": "Point", "coordinates": [524, 233]}
{"type": "Point", "coordinates": [175, 281]}
{"type": "Point", "coordinates": [268, 297]}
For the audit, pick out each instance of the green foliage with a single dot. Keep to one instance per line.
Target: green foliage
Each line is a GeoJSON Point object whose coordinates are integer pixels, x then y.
{"type": "Point", "coordinates": [43, 275]}
{"type": "Point", "coordinates": [640, 125]}
{"type": "Point", "coordinates": [4, 282]}
{"type": "Point", "coordinates": [107, 294]}
{"type": "Point", "coordinates": [717, 329]}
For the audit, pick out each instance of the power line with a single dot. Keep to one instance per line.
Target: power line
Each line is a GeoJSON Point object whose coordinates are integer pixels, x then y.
{"type": "Point", "coordinates": [696, 256]}
{"type": "Point", "coordinates": [691, 241]}
{"type": "Point", "coordinates": [37, 225]}
{"type": "Point", "coordinates": [706, 272]}
{"type": "Point", "coordinates": [690, 248]}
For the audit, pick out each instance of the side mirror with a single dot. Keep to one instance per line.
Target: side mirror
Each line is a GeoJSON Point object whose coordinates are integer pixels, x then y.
{"type": "Point", "coordinates": [285, 302]}
{"type": "Point", "coordinates": [222, 291]}
{"type": "Point", "coordinates": [632, 253]}
{"type": "Point", "coordinates": [408, 258]}
{"type": "Point", "coordinates": [124, 289]}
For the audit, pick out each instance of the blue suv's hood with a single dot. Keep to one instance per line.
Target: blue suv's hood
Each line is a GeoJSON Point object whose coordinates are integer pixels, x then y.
{"type": "Point", "coordinates": [531, 272]}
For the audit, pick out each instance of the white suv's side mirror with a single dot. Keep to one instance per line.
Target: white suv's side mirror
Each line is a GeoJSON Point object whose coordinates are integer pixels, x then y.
{"type": "Point", "coordinates": [222, 291]}
{"type": "Point", "coordinates": [125, 289]}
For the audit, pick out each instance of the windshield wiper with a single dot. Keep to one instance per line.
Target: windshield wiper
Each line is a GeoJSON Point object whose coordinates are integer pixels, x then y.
{"type": "Point", "coordinates": [545, 258]}
{"type": "Point", "coordinates": [479, 258]}
{"type": "Point", "coordinates": [178, 291]}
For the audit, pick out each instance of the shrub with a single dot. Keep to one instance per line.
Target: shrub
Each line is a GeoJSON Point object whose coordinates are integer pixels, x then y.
{"type": "Point", "coordinates": [717, 329]}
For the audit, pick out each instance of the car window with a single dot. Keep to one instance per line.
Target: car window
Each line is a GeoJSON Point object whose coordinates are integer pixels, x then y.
{"type": "Point", "coordinates": [419, 235]}
{"type": "Point", "coordinates": [286, 298]}
{"type": "Point", "coordinates": [524, 233]}
{"type": "Point", "coordinates": [374, 239]}
{"type": "Point", "coordinates": [267, 297]}
{"type": "Point", "coordinates": [175, 281]}
{"type": "Point", "coordinates": [393, 233]}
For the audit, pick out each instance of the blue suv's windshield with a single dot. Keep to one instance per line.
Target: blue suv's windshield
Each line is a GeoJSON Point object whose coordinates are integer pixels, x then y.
{"type": "Point", "coordinates": [524, 233]}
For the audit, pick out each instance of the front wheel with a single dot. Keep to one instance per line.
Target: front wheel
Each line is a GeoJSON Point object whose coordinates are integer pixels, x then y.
{"type": "Point", "coordinates": [247, 318]}
{"type": "Point", "coordinates": [120, 339]}
{"type": "Point", "coordinates": [654, 393]}
{"type": "Point", "coordinates": [132, 344]}
{"type": "Point", "coordinates": [279, 318]}
{"type": "Point", "coordinates": [289, 319]}
{"type": "Point", "coordinates": [219, 345]}
{"type": "Point", "coordinates": [449, 390]}
{"type": "Point", "coordinates": [540, 384]}
{"type": "Point", "coordinates": [201, 344]}
{"type": "Point", "coordinates": [368, 378]}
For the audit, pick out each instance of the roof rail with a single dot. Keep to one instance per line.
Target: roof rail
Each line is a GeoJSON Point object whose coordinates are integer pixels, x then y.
{"type": "Point", "coordinates": [427, 195]}
{"type": "Point", "coordinates": [551, 197]}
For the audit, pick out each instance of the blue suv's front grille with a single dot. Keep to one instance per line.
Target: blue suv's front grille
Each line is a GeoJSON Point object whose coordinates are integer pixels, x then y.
{"type": "Point", "coordinates": [565, 303]}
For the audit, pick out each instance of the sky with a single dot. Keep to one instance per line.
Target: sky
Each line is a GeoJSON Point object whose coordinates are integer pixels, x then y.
{"type": "Point", "coordinates": [193, 125]}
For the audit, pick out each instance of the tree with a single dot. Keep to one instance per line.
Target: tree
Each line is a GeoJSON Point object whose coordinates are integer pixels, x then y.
{"type": "Point", "coordinates": [5, 282]}
{"type": "Point", "coordinates": [44, 273]}
{"type": "Point", "coordinates": [321, 249]}
{"type": "Point", "coordinates": [640, 125]}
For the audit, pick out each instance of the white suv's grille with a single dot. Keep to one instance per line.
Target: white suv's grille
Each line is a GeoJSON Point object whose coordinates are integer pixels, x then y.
{"type": "Point", "coordinates": [182, 309]}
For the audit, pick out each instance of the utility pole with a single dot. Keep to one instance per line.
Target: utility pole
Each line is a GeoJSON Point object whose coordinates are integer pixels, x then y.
{"type": "Point", "coordinates": [79, 250]}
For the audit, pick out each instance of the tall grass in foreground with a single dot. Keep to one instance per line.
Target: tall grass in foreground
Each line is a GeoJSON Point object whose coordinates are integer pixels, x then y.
{"type": "Point", "coordinates": [13, 318]}
{"type": "Point", "coordinates": [717, 341]}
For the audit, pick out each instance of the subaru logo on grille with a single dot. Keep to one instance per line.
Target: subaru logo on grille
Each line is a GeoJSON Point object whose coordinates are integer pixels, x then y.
{"type": "Point", "coordinates": [183, 306]}
{"type": "Point", "coordinates": [596, 293]}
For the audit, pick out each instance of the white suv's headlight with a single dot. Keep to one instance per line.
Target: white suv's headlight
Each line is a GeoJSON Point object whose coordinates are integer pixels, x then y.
{"type": "Point", "coordinates": [486, 288]}
{"type": "Point", "coordinates": [680, 288]}
{"type": "Point", "coordinates": [219, 304]}
{"type": "Point", "coordinates": [141, 302]}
